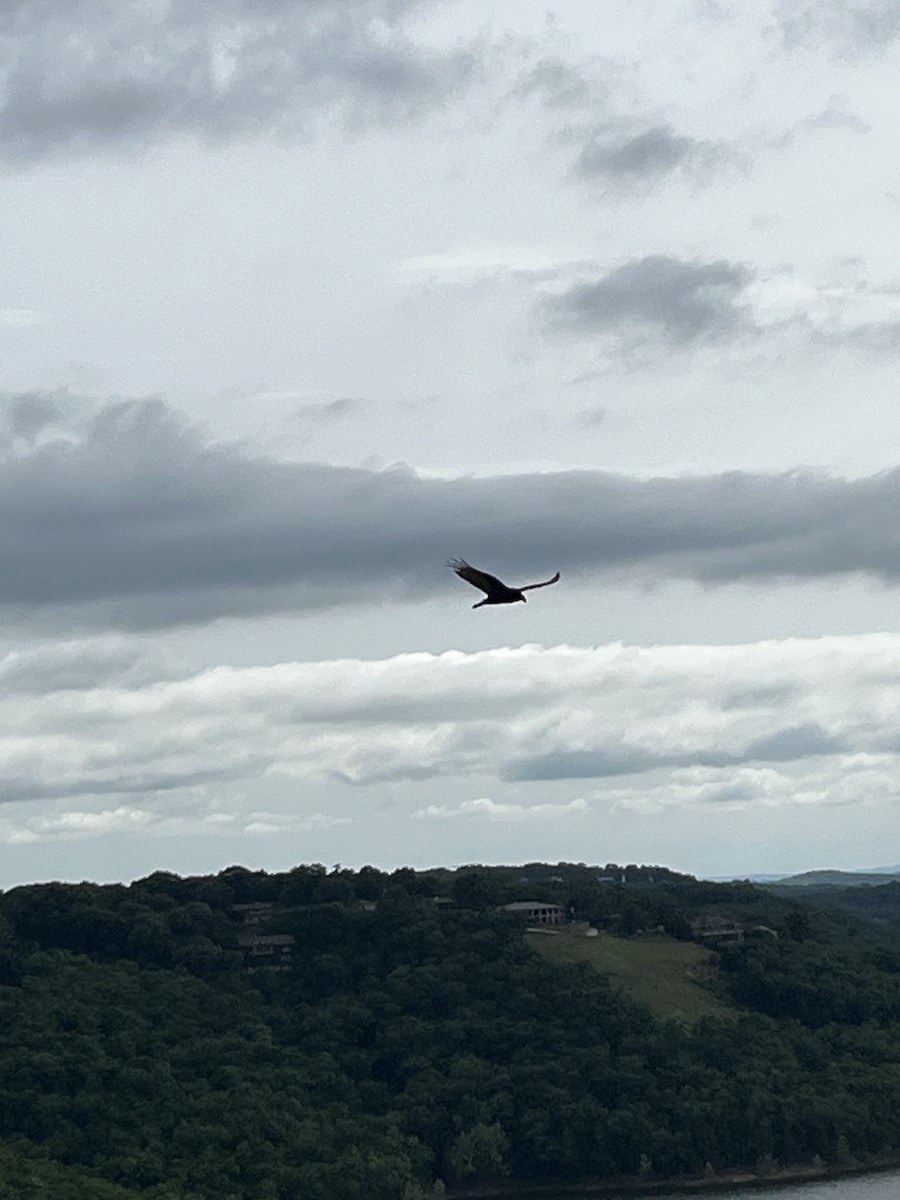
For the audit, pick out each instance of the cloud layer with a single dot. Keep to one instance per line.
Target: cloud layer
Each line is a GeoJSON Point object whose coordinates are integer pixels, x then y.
{"type": "Point", "coordinates": [627, 157]}
{"type": "Point", "coordinates": [80, 76]}
{"type": "Point", "coordinates": [129, 517]}
{"type": "Point", "coordinates": [685, 303]}
{"type": "Point", "coordinates": [803, 721]}
{"type": "Point", "coordinates": [850, 26]}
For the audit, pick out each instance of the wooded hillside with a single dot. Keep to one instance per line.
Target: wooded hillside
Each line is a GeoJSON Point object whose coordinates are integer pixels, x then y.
{"type": "Point", "coordinates": [382, 1042]}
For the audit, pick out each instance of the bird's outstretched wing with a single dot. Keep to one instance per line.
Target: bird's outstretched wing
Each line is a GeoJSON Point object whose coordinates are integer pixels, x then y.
{"type": "Point", "coordinates": [479, 579]}
{"type": "Point", "coordinates": [529, 587]}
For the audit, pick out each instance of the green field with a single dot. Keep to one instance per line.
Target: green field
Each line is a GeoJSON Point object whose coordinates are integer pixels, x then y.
{"type": "Point", "coordinates": [657, 972]}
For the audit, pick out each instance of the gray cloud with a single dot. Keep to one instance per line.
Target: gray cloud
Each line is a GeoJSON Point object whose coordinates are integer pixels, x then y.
{"type": "Point", "coordinates": [558, 84]}
{"type": "Point", "coordinates": [642, 157]}
{"type": "Point", "coordinates": [27, 415]}
{"type": "Point", "coordinates": [660, 297]}
{"type": "Point", "coordinates": [876, 336]}
{"type": "Point", "coordinates": [850, 27]}
{"type": "Point", "coordinates": [617, 149]}
{"type": "Point", "coordinates": [585, 764]}
{"type": "Point", "coordinates": [788, 745]}
{"type": "Point", "coordinates": [135, 520]}
{"type": "Point", "coordinates": [590, 418]}
{"type": "Point", "coordinates": [125, 783]}
{"type": "Point", "coordinates": [784, 746]}
{"type": "Point", "coordinates": [836, 115]}
{"type": "Point", "coordinates": [80, 666]}
{"type": "Point", "coordinates": [329, 411]}
{"type": "Point", "coordinates": [82, 75]}
{"type": "Point", "coordinates": [767, 696]}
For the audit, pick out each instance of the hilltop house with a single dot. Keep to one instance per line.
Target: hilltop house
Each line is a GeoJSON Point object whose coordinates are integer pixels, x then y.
{"type": "Point", "coordinates": [272, 950]}
{"type": "Point", "coordinates": [536, 912]}
{"type": "Point", "coordinates": [710, 928]}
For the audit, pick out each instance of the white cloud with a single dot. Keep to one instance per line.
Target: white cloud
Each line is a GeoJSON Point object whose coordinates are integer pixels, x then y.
{"type": "Point", "coordinates": [765, 724]}
{"type": "Point", "coordinates": [191, 814]}
{"type": "Point", "coordinates": [468, 263]}
{"type": "Point", "coordinates": [268, 823]}
{"type": "Point", "coordinates": [493, 810]}
{"type": "Point", "coordinates": [75, 823]}
{"type": "Point", "coordinates": [836, 310]}
{"type": "Point", "coordinates": [847, 780]}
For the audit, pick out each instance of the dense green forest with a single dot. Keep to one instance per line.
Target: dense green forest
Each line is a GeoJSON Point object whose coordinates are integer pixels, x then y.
{"type": "Point", "coordinates": [365, 1035]}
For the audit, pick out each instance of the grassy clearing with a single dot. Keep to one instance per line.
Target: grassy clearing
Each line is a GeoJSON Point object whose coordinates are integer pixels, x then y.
{"type": "Point", "coordinates": [657, 972]}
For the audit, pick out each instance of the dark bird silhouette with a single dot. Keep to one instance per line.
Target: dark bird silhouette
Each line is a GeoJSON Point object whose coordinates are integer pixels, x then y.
{"type": "Point", "coordinates": [496, 592]}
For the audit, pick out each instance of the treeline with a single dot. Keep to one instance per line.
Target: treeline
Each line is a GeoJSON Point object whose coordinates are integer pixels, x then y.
{"type": "Point", "coordinates": [415, 1041]}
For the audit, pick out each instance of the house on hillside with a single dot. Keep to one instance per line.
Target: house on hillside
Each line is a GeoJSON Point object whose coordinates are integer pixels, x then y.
{"type": "Point", "coordinates": [271, 950]}
{"type": "Point", "coordinates": [276, 949]}
{"type": "Point", "coordinates": [537, 912]}
{"type": "Point", "coordinates": [711, 928]}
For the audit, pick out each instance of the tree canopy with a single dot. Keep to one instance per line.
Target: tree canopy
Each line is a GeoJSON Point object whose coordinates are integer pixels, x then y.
{"type": "Point", "coordinates": [412, 1039]}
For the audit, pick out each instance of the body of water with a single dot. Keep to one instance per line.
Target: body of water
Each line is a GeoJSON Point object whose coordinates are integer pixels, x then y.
{"type": "Point", "coordinates": [882, 1186]}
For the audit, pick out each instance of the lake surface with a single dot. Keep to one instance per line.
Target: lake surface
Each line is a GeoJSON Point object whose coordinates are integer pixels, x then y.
{"type": "Point", "coordinates": [885, 1186]}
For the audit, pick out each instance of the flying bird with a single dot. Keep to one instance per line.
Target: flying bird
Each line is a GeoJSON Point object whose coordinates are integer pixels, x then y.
{"type": "Point", "coordinates": [496, 592]}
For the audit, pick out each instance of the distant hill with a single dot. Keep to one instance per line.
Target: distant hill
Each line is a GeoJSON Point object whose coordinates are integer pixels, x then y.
{"type": "Point", "coordinates": [832, 877]}
{"type": "Point", "coordinates": [757, 877]}
{"type": "Point", "coordinates": [875, 877]}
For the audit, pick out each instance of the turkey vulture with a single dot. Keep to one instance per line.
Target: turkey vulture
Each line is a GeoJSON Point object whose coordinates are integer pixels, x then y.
{"type": "Point", "coordinates": [496, 592]}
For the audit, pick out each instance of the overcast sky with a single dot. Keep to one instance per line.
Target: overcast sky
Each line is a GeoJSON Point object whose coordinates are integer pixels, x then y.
{"type": "Point", "coordinates": [301, 300]}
